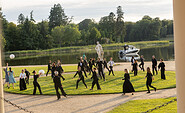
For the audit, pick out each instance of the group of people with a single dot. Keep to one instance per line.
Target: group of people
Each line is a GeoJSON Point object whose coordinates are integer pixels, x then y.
{"type": "Point", "coordinates": [85, 66]}
{"type": "Point", "coordinates": [161, 66]}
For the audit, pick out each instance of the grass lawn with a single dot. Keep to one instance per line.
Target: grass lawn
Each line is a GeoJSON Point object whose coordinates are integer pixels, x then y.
{"type": "Point", "coordinates": [17, 70]}
{"type": "Point", "coordinates": [113, 84]}
{"type": "Point", "coordinates": [138, 106]}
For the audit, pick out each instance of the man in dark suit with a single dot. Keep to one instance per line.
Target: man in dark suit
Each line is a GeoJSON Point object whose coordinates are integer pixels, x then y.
{"type": "Point", "coordinates": [95, 80]}
{"type": "Point", "coordinates": [99, 65]}
{"type": "Point", "coordinates": [81, 64]}
{"type": "Point", "coordinates": [58, 85]}
{"type": "Point", "coordinates": [49, 67]}
{"type": "Point", "coordinates": [154, 65]}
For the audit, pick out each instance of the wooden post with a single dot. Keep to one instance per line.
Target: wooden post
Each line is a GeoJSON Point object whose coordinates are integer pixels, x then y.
{"type": "Point", "coordinates": [179, 37]}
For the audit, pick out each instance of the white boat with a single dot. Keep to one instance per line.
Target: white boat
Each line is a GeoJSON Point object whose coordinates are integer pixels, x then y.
{"type": "Point", "coordinates": [129, 50]}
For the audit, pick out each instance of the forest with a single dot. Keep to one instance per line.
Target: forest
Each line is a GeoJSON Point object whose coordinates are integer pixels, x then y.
{"type": "Point", "coordinates": [58, 30]}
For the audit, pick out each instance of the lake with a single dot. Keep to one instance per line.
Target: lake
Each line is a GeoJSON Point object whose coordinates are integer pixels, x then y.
{"type": "Point", "coordinates": [70, 57]}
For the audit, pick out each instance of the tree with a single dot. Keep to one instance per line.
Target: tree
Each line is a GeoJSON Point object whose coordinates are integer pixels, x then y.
{"type": "Point", "coordinates": [71, 34]}
{"type": "Point", "coordinates": [58, 35]}
{"type": "Point", "coordinates": [29, 35]}
{"type": "Point", "coordinates": [12, 37]}
{"type": "Point", "coordinates": [120, 27]}
{"type": "Point", "coordinates": [31, 17]}
{"type": "Point", "coordinates": [94, 35]}
{"type": "Point", "coordinates": [57, 17]}
{"type": "Point", "coordinates": [84, 25]}
{"type": "Point", "coordinates": [43, 28]}
{"type": "Point", "coordinates": [21, 19]}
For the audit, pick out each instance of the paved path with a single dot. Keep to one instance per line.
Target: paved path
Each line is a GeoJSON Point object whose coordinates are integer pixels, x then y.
{"type": "Point", "coordinates": [79, 104]}
{"type": "Point", "coordinates": [84, 103]}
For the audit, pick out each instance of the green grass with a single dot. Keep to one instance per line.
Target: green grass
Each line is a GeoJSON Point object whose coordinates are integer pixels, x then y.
{"type": "Point", "coordinates": [89, 47]}
{"type": "Point", "coordinates": [17, 70]}
{"type": "Point", "coordinates": [113, 84]}
{"type": "Point", "coordinates": [138, 106]}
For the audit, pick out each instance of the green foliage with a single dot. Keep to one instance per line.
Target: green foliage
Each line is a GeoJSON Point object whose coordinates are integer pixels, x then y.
{"type": "Point", "coordinates": [113, 84]}
{"type": "Point", "coordinates": [94, 35]}
{"type": "Point", "coordinates": [57, 16]}
{"type": "Point", "coordinates": [139, 106]}
{"type": "Point", "coordinates": [58, 32]}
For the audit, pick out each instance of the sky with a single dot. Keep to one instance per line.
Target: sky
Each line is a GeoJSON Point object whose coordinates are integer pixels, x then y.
{"type": "Point", "coordinates": [134, 10]}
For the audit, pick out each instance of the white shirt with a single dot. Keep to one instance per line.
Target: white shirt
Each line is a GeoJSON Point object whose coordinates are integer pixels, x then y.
{"type": "Point", "coordinates": [22, 75]}
{"type": "Point", "coordinates": [111, 63]}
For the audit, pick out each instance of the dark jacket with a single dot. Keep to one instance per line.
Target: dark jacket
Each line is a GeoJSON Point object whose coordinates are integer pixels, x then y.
{"type": "Point", "coordinates": [94, 76]}
{"type": "Point", "coordinates": [154, 62]}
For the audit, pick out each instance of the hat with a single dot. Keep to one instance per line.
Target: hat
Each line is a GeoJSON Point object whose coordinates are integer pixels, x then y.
{"type": "Point", "coordinates": [33, 71]}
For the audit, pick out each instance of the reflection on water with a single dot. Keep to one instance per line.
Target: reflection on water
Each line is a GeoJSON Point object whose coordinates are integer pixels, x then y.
{"type": "Point", "coordinates": [127, 58]}
{"type": "Point", "coordinates": [167, 53]}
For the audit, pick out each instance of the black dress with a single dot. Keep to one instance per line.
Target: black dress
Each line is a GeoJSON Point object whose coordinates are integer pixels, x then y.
{"type": "Point", "coordinates": [22, 84]}
{"type": "Point", "coordinates": [27, 76]}
{"type": "Point", "coordinates": [127, 85]}
{"type": "Point", "coordinates": [162, 67]}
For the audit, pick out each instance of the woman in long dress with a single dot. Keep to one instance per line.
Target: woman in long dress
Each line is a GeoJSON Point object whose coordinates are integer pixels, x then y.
{"type": "Point", "coordinates": [127, 85]}
{"type": "Point", "coordinates": [11, 77]}
{"type": "Point", "coordinates": [6, 76]}
{"type": "Point", "coordinates": [22, 83]}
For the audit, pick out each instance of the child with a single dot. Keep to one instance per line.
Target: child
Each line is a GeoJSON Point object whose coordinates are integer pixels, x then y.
{"type": "Point", "coordinates": [111, 63]}
{"type": "Point", "coordinates": [127, 85]}
{"type": "Point", "coordinates": [81, 77]}
{"type": "Point", "coordinates": [149, 77]}
{"type": "Point", "coordinates": [58, 85]}
{"type": "Point", "coordinates": [95, 79]}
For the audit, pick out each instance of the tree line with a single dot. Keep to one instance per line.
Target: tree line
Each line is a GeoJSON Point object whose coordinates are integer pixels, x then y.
{"type": "Point", "coordinates": [59, 30]}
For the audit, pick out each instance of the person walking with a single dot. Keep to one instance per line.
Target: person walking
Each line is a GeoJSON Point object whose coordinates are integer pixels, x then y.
{"type": "Point", "coordinates": [82, 66]}
{"type": "Point", "coordinates": [11, 77]}
{"type": "Point", "coordinates": [90, 66]}
{"type": "Point", "coordinates": [60, 70]}
{"type": "Point", "coordinates": [35, 82]}
{"type": "Point", "coordinates": [6, 76]}
{"type": "Point", "coordinates": [49, 67]}
{"type": "Point", "coordinates": [127, 85]}
{"type": "Point", "coordinates": [27, 76]}
{"type": "Point", "coordinates": [141, 65]}
{"type": "Point", "coordinates": [135, 67]}
{"type": "Point", "coordinates": [149, 77]}
{"type": "Point", "coordinates": [162, 67]}
{"type": "Point", "coordinates": [81, 77]}
{"type": "Point", "coordinates": [99, 65]}
{"type": "Point", "coordinates": [154, 65]}
{"type": "Point", "coordinates": [132, 62]}
{"type": "Point", "coordinates": [22, 84]}
{"type": "Point", "coordinates": [95, 80]}
{"type": "Point", "coordinates": [53, 69]}
{"type": "Point", "coordinates": [105, 64]}
{"type": "Point", "coordinates": [111, 64]}
{"type": "Point", "coordinates": [58, 85]}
